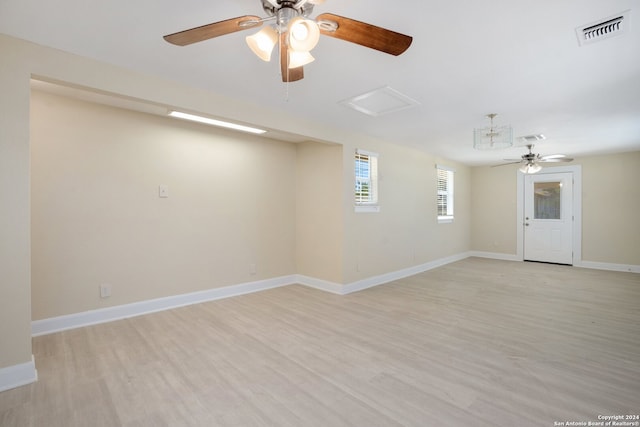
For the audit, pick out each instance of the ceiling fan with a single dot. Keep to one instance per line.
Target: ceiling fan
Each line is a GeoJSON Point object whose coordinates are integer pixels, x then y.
{"type": "Point", "coordinates": [531, 161]}
{"type": "Point", "coordinates": [295, 34]}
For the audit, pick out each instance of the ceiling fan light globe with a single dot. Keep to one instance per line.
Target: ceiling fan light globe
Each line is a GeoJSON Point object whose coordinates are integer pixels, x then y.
{"type": "Point", "coordinates": [530, 168]}
{"type": "Point", "coordinates": [263, 42]}
{"type": "Point", "coordinates": [299, 32]}
{"type": "Point", "coordinates": [299, 59]}
{"type": "Point", "coordinates": [304, 34]}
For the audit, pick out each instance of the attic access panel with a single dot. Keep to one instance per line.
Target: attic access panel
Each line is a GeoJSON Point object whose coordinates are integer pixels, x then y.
{"type": "Point", "coordinates": [381, 101]}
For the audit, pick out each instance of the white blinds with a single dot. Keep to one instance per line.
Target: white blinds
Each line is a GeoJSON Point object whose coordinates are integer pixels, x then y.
{"type": "Point", "coordinates": [445, 191]}
{"type": "Point", "coordinates": [366, 177]}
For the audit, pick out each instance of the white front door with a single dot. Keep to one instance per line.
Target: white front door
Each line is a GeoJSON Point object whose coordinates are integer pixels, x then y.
{"type": "Point", "coordinates": [548, 217]}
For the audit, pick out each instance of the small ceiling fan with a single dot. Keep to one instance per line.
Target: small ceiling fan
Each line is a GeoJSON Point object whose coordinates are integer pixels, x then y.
{"type": "Point", "coordinates": [531, 161]}
{"type": "Point", "coordinates": [296, 34]}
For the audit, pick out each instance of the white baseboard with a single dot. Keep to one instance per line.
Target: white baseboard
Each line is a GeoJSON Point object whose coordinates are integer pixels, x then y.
{"type": "Point", "coordinates": [608, 266]}
{"type": "Point", "coordinates": [583, 264]}
{"type": "Point", "coordinates": [495, 255]}
{"type": "Point", "coordinates": [93, 317]}
{"type": "Point", "coordinates": [323, 285]}
{"type": "Point", "coordinates": [400, 274]}
{"type": "Point", "coordinates": [18, 375]}
{"type": "Point", "coordinates": [369, 282]}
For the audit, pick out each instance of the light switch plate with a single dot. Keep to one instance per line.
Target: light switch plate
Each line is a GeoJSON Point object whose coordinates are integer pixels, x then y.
{"type": "Point", "coordinates": [163, 190]}
{"type": "Point", "coordinates": [105, 290]}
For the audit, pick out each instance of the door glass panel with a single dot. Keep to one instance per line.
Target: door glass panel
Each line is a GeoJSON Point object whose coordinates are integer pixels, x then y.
{"type": "Point", "coordinates": [546, 200]}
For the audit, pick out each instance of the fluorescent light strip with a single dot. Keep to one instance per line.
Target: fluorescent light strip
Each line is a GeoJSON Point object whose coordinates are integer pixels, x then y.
{"type": "Point", "coordinates": [214, 122]}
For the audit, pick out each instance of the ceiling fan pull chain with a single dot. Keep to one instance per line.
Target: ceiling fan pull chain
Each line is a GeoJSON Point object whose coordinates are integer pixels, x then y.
{"type": "Point", "coordinates": [286, 84]}
{"type": "Point", "coordinates": [281, 40]}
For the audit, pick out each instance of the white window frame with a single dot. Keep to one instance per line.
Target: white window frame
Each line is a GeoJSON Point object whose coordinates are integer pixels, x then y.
{"type": "Point", "coordinates": [448, 193]}
{"type": "Point", "coordinates": [371, 203]}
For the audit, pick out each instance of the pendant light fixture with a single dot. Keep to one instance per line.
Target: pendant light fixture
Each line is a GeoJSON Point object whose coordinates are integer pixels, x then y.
{"type": "Point", "coordinates": [492, 137]}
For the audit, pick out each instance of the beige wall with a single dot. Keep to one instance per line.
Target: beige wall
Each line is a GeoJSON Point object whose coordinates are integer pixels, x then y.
{"type": "Point", "coordinates": [610, 206]}
{"type": "Point", "coordinates": [235, 200]}
{"type": "Point", "coordinates": [97, 217]}
{"type": "Point", "coordinates": [15, 292]}
{"type": "Point", "coordinates": [494, 204]}
{"type": "Point", "coordinates": [405, 232]}
{"type": "Point", "coordinates": [319, 214]}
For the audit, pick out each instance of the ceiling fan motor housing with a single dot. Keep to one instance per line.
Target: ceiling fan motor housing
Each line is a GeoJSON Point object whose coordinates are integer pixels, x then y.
{"type": "Point", "coordinates": [284, 16]}
{"type": "Point", "coordinates": [287, 8]}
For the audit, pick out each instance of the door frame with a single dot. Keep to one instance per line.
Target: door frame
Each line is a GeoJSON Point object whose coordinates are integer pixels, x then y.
{"type": "Point", "coordinates": [577, 210]}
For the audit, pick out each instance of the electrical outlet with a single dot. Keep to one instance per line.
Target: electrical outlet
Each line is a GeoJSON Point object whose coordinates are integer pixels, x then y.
{"type": "Point", "coordinates": [105, 290]}
{"type": "Point", "coordinates": [252, 269]}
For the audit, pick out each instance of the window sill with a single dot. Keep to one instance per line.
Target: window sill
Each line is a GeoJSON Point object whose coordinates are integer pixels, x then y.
{"type": "Point", "coordinates": [445, 219]}
{"type": "Point", "coordinates": [367, 208]}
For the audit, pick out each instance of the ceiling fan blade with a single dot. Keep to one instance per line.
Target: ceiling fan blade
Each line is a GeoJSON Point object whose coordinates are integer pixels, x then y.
{"type": "Point", "coordinates": [555, 158]}
{"type": "Point", "coordinates": [292, 74]}
{"type": "Point", "coordinates": [548, 159]}
{"type": "Point", "coordinates": [504, 164]}
{"type": "Point", "coordinates": [209, 31]}
{"type": "Point", "coordinates": [288, 74]}
{"type": "Point", "coordinates": [364, 34]}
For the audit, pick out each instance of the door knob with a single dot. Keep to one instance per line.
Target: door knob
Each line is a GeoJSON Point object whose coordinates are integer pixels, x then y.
{"type": "Point", "coordinates": [526, 224]}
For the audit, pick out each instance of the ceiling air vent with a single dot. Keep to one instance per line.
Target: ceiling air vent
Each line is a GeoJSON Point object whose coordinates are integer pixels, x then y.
{"type": "Point", "coordinates": [609, 27]}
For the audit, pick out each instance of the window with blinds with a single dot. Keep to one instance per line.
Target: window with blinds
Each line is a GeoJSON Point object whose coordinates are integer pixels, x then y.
{"type": "Point", "coordinates": [445, 193]}
{"type": "Point", "coordinates": [366, 181]}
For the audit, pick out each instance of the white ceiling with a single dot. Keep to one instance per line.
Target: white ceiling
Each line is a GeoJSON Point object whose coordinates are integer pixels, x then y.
{"type": "Point", "coordinates": [468, 58]}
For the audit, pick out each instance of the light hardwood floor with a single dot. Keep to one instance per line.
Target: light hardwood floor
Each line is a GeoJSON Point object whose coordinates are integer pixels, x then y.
{"type": "Point", "coordinates": [474, 343]}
